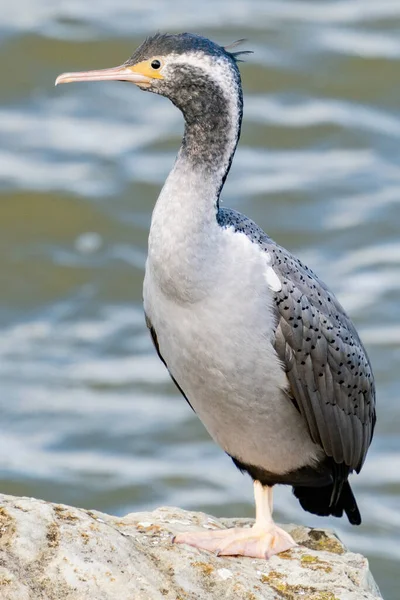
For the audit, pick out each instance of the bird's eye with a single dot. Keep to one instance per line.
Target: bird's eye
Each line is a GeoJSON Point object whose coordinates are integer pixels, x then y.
{"type": "Point", "coordinates": [155, 64]}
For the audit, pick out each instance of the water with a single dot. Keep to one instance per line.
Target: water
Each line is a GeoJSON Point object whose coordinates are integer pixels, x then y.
{"type": "Point", "coordinates": [88, 414]}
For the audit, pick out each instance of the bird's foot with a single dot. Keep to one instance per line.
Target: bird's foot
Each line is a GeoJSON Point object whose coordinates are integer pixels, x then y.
{"type": "Point", "coordinates": [256, 542]}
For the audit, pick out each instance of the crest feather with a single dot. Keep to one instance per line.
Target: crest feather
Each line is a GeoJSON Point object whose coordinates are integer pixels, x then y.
{"type": "Point", "coordinates": [238, 53]}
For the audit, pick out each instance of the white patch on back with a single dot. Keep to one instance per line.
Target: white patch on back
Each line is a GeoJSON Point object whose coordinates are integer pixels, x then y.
{"type": "Point", "coordinates": [273, 280]}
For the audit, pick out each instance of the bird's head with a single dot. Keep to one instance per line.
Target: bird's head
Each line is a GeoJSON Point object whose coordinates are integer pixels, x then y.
{"type": "Point", "coordinates": [186, 68]}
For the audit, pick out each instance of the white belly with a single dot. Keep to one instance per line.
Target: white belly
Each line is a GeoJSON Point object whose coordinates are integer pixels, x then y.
{"type": "Point", "coordinates": [219, 350]}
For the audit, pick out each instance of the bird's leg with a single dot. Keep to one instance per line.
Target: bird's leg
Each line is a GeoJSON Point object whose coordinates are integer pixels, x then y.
{"type": "Point", "coordinates": [262, 540]}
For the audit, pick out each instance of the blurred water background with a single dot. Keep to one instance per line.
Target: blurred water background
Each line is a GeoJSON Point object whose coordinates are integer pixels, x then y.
{"type": "Point", "coordinates": [88, 413]}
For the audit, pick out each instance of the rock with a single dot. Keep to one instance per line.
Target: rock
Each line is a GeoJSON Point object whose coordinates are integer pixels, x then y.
{"type": "Point", "coordinates": [56, 552]}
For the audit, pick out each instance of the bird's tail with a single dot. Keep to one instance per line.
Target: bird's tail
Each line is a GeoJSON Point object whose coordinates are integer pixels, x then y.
{"type": "Point", "coordinates": [318, 500]}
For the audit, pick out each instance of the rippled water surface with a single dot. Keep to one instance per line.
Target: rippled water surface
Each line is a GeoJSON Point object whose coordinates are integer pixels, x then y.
{"type": "Point", "coordinates": [88, 414]}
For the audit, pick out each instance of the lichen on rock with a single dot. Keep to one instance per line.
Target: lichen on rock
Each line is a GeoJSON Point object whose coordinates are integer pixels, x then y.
{"type": "Point", "coordinates": [55, 552]}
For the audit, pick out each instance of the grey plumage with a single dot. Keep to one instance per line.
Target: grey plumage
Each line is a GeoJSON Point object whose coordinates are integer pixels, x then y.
{"type": "Point", "coordinates": [325, 361]}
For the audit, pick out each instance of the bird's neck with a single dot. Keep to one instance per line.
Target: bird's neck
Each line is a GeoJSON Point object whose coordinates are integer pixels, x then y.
{"type": "Point", "coordinates": [184, 230]}
{"type": "Point", "coordinates": [212, 131]}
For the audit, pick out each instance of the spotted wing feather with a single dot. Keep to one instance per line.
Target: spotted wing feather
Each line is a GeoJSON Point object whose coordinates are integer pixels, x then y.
{"type": "Point", "coordinates": [327, 367]}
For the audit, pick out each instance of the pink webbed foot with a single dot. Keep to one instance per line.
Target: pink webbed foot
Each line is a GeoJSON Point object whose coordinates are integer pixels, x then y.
{"type": "Point", "coordinates": [255, 542]}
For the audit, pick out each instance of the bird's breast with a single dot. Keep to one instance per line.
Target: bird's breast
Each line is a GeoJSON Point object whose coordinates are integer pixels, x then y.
{"type": "Point", "coordinates": [219, 315]}
{"type": "Point", "coordinates": [220, 351]}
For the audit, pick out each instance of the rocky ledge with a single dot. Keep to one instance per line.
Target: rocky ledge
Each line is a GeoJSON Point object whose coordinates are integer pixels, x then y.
{"type": "Point", "coordinates": [56, 552]}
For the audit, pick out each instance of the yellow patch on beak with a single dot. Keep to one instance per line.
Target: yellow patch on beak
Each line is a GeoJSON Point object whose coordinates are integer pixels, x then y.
{"type": "Point", "coordinates": [145, 68]}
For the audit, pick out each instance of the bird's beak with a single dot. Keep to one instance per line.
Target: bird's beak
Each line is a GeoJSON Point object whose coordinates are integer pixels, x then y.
{"type": "Point", "coordinates": [132, 73]}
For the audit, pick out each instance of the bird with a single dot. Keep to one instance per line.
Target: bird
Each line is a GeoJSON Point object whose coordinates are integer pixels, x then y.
{"type": "Point", "coordinates": [257, 344]}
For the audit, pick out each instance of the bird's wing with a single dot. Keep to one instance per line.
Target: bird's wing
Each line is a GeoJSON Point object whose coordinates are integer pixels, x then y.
{"type": "Point", "coordinates": [157, 347]}
{"type": "Point", "coordinates": [328, 370]}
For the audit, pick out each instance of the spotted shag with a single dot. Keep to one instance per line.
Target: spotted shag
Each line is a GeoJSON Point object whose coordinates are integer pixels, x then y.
{"type": "Point", "coordinates": [255, 341]}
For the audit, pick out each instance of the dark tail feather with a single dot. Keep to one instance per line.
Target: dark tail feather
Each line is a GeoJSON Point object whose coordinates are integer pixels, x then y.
{"type": "Point", "coordinates": [319, 502]}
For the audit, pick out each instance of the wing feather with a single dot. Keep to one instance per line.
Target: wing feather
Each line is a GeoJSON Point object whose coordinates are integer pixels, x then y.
{"type": "Point", "coordinates": [327, 367]}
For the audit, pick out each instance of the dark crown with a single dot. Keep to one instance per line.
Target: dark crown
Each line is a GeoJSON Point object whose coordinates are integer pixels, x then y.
{"type": "Point", "coordinates": [162, 44]}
